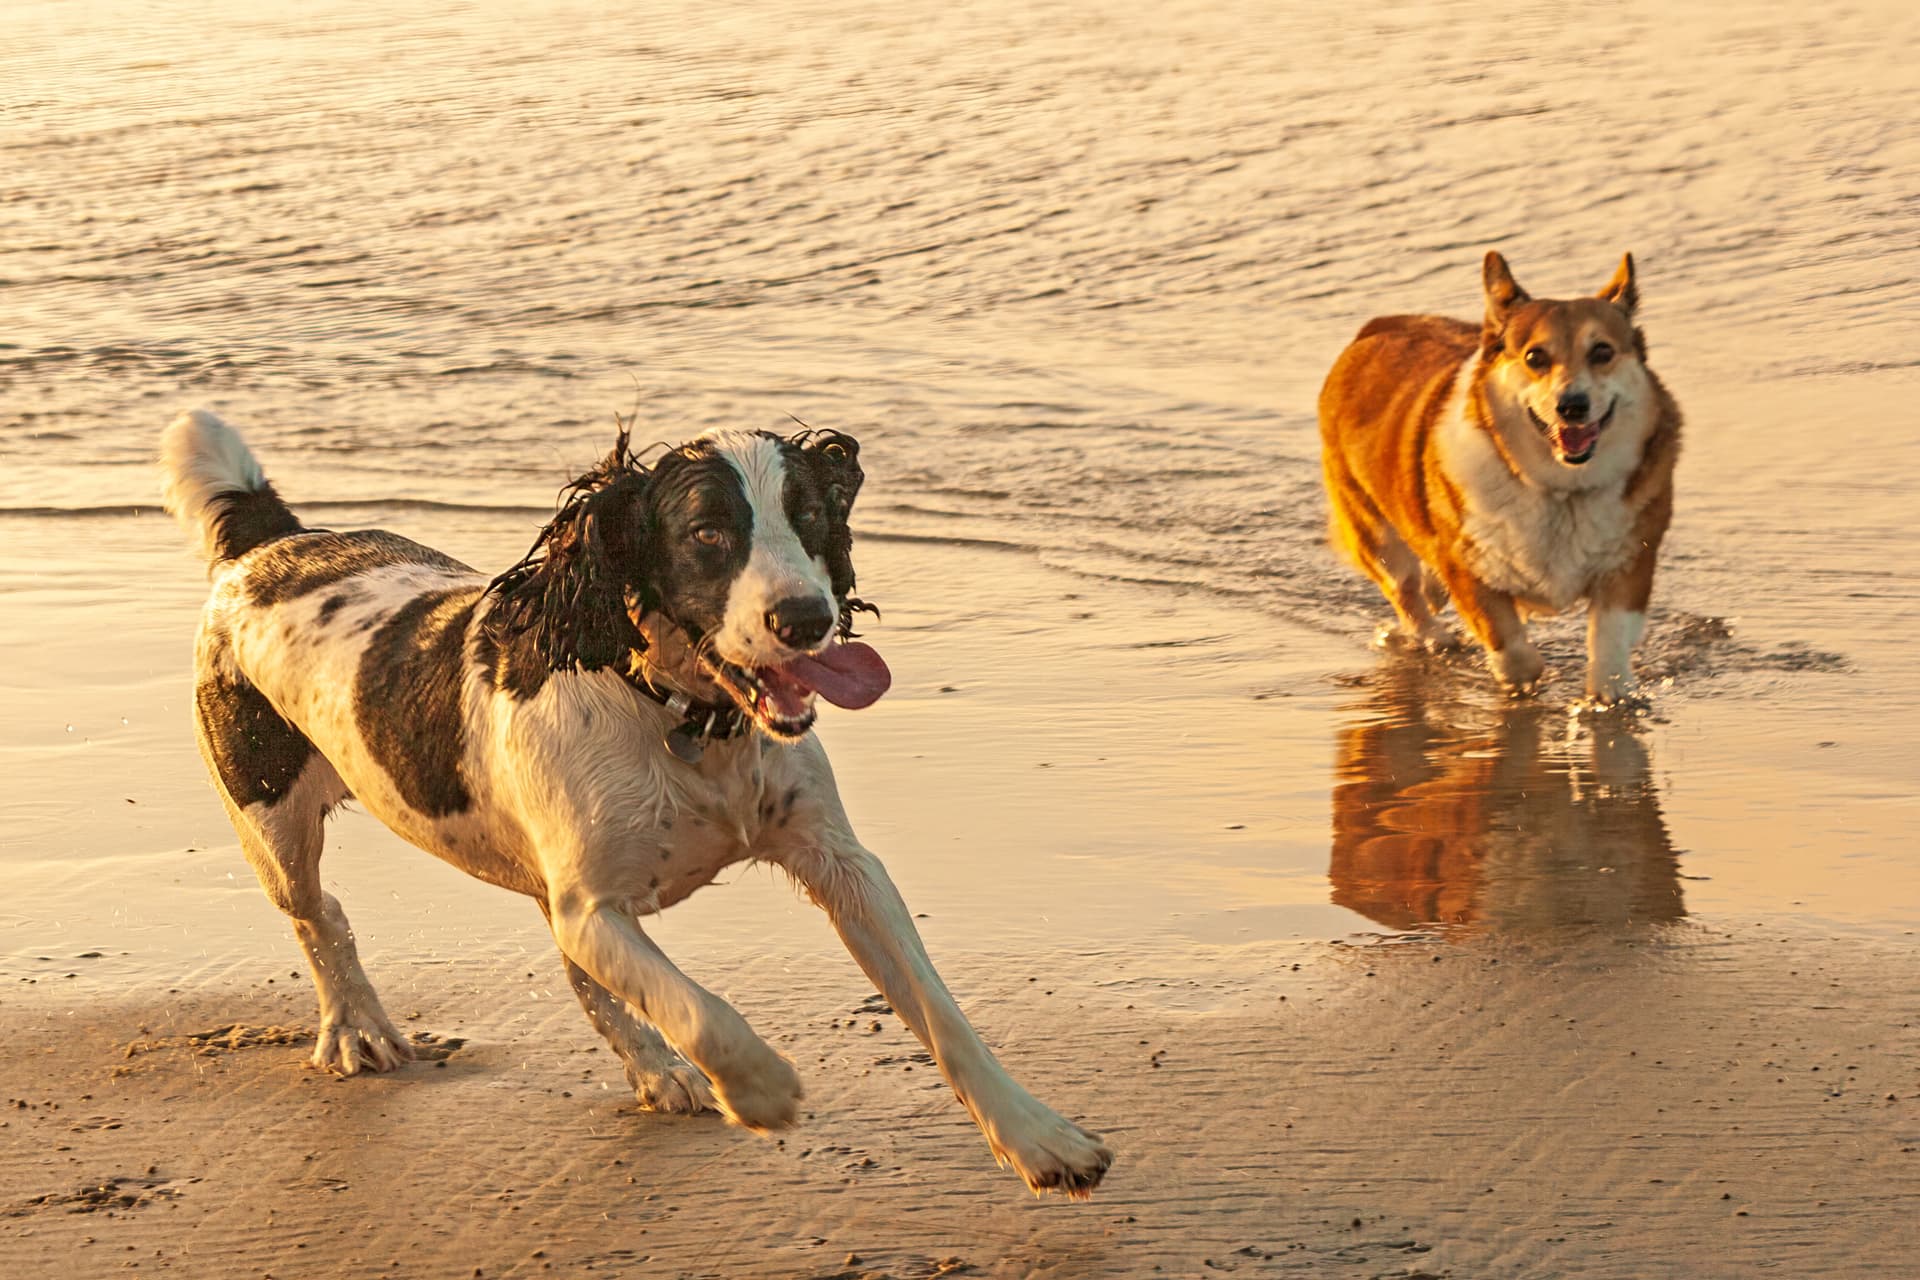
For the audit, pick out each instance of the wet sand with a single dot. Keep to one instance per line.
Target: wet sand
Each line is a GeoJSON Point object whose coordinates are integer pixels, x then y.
{"type": "Point", "coordinates": [1678, 1102]}
{"type": "Point", "coordinates": [1361, 971]}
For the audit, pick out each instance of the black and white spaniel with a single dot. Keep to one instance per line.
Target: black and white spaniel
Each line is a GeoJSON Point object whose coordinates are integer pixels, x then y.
{"type": "Point", "coordinates": [603, 727]}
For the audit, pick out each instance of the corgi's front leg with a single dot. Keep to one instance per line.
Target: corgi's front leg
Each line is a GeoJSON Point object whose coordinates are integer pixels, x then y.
{"type": "Point", "coordinates": [1612, 632]}
{"type": "Point", "coordinates": [1495, 622]}
{"type": "Point", "coordinates": [1616, 615]}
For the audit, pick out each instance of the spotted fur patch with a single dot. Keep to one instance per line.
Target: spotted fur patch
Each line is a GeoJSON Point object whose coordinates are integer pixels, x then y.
{"type": "Point", "coordinates": [298, 565]}
{"type": "Point", "coordinates": [256, 754]}
{"type": "Point", "coordinates": [406, 700]}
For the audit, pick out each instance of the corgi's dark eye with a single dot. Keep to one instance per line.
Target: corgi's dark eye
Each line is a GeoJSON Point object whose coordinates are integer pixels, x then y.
{"type": "Point", "coordinates": [1539, 359]}
{"type": "Point", "coordinates": [710, 535]}
{"type": "Point", "coordinates": [1602, 352]}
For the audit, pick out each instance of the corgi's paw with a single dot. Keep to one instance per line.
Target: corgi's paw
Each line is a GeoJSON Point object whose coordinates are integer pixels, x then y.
{"type": "Point", "coordinates": [1518, 668]}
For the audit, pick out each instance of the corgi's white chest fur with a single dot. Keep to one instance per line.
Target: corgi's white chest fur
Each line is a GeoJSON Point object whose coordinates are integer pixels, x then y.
{"type": "Point", "coordinates": [1544, 545]}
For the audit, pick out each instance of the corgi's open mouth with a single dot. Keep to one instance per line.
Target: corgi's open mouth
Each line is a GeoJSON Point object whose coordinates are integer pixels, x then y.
{"type": "Point", "coordinates": [780, 698]}
{"type": "Point", "coordinates": [1573, 442]}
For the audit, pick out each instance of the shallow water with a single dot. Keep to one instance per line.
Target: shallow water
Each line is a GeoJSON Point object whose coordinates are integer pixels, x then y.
{"type": "Point", "coordinates": [1072, 273]}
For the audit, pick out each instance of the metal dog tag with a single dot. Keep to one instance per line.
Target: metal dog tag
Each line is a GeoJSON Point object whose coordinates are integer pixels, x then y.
{"type": "Point", "coordinates": [684, 742]}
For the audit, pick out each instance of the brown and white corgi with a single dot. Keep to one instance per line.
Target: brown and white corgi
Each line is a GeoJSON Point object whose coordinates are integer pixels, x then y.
{"type": "Point", "coordinates": [1515, 467]}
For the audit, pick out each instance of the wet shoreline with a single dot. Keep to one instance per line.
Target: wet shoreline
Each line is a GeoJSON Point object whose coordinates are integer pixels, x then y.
{"type": "Point", "coordinates": [1364, 970]}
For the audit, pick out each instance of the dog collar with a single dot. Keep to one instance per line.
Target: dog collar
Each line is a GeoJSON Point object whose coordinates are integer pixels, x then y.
{"type": "Point", "coordinates": [699, 721]}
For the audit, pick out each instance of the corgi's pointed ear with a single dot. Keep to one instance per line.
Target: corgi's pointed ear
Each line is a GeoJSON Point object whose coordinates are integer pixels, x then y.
{"type": "Point", "coordinates": [1503, 295]}
{"type": "Point", "coordinates": [1621, 290]}
{"type": "Point", "coordinates": [1503, 291]}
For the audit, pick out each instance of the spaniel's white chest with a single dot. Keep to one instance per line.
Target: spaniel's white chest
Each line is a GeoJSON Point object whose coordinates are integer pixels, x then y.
{"type": "Point", "coordinates": [694, 839]}
{"type": "Point", "coordinates": [689, 855]}
{"type": "Point", "coordinates": [713, 818]}
{"type": "Point", "coordinates": [1545, 546]}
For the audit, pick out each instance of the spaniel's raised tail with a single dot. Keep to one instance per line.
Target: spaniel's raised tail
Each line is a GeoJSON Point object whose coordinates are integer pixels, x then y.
{"type": "Point", "coordinates": [214, 487]}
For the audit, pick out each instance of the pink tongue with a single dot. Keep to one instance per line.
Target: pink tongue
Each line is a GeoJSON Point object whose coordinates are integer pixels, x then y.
{"type": "Point", "coordinates": [1574, 441]}
{"type": "Point", "coordinates": [848, 675]}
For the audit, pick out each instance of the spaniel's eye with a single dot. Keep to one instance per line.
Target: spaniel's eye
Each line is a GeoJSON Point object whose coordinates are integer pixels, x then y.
{"type": "Point", "coordinates": [808, 517]}
{"type": "Point", "coordinates": [1539, 359]}
{"type": "Point", "coordinates": [710, 535]}
{"type": "Point", "coordinates": [1602, 352]}
{"type": "Point", "coordinates": [835, 451]}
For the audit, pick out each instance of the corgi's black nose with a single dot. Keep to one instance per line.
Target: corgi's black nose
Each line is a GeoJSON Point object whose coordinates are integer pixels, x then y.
{"type": "Point", "coordinates": [1574, 406]}
{"type": "Point", "coordinates": [801, 621]}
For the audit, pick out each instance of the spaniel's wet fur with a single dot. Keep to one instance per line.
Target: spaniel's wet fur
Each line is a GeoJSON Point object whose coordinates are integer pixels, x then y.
{"type": "Point", "coordinates": [514, 728]}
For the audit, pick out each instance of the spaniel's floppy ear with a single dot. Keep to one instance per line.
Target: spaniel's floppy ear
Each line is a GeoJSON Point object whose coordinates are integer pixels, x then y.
{"type": "Point", "coordinates": [835, 458]}
{"type": "Point", "coordinates": [568, 594]}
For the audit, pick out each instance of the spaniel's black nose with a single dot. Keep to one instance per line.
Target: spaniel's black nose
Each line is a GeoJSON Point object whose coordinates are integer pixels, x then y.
{"type": "Point", "coordinates": [801, 621]}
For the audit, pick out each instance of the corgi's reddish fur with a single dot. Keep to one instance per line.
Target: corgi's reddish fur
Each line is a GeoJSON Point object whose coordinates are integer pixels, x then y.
{"type": "Point", "coordinates": [1516, 467]}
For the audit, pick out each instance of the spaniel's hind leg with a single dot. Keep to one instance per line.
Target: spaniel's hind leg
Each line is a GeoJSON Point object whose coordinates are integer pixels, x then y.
{"type": "Point", "coordinates": [278, 790]}
{"type": "Point", "coordinates": [283, 842]}
{"type": "Point", "coordinates": [662, 1080]}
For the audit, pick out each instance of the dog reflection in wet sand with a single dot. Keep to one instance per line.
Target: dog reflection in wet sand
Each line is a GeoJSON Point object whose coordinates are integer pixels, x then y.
{"type": "Point", "coordinates": [1445, 815]}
